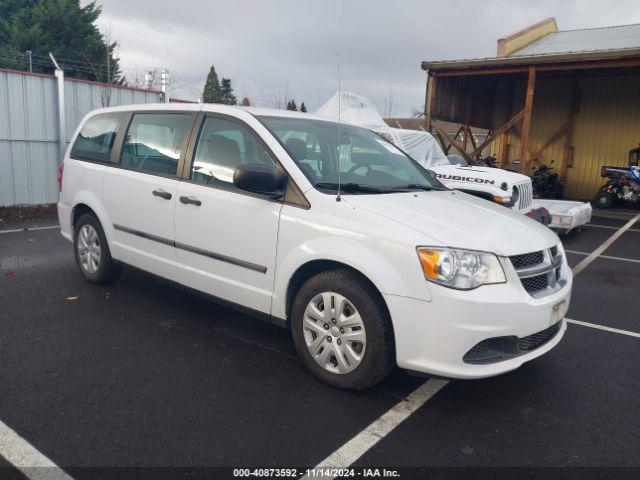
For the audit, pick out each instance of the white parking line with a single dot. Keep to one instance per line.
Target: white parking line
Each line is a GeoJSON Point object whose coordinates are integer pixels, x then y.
{"type": "Point", "coordinates": [32, 229]}
{"type": "Point", "coordinates": [610, 227]}
{"type": "Point", "coordinates": [22, 455]}
{"type": "Point", "coordinates": [606, 213]}
{"type": "Point", "coordinates": [602, 327]}
{"type": "Point", "coordinates": [608, 257]}
{"type": "Point", "coordinates": [593, 255]}
{"type": "Point", "coordinates": [382, 426]}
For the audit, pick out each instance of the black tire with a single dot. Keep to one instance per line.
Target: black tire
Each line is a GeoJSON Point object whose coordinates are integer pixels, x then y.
{"type": "Point", "coordinates": [379, 356]}
{"type": "Point", "coordinates": [604, 199]}
{"type": "Point", "coordinates": [108, 271]}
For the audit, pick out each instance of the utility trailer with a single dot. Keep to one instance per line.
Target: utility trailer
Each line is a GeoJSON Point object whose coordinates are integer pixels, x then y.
{"type": "Point", "coordinates": [566, 215]}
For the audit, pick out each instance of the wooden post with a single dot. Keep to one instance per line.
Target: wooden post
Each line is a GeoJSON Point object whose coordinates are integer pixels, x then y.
{"type": "Point", "coordinates": [528, 108]}
{"type": "Point", "coordinates": [430, 101]}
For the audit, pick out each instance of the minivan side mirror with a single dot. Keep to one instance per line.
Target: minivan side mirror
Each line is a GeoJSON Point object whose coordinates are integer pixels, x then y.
{"type": "Point", "coordinates": [257, 178]}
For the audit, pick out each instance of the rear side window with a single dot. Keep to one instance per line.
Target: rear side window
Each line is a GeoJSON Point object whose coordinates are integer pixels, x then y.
{"type": "Point", "coordinates": [96, 137]}
{"type": "Point", "coordinates": [154, 142]}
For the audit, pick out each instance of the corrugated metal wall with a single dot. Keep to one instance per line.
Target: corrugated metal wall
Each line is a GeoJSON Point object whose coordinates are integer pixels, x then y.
{"type": "Point", "coordinates": [29, 130]}
{"type": "Point", "coordinates": [466, 100]}
{"type": "Point", "coordinates": [606, 126]}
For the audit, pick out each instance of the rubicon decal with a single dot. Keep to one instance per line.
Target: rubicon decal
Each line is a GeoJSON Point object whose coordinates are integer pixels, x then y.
{"type": "Point", "coordinates": [458, 178]}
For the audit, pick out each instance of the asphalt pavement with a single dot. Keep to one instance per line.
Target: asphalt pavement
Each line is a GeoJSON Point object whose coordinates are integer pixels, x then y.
{"type": "Point", "coordinates": [141, 374]}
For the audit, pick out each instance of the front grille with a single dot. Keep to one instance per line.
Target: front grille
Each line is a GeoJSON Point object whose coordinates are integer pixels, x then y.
{"type": "Point", "coordinates": [527, 260]}
{"type": "Point", "coordinates": [525, 197]}
{"type": "Point", "coordinates": [536, 340]}
{"type": "Point", "coordinates": [539, 272]}
{"type": "Point", "coordinates": [535, 284]}
{"type": "Point", "coordinates": [498, 349]}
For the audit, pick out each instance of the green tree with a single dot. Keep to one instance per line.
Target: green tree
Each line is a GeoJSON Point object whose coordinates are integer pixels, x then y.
{"type": "Point", "coordinates": [63, 28]}
{"type": "Point", "coordinates": [291, 105]}
{"type": "Point", "coordinates": [303, 107]}
{"type": "Point", "coordinates": [212, 92]}
{"type": "Point", "coordinates": [226, 92]}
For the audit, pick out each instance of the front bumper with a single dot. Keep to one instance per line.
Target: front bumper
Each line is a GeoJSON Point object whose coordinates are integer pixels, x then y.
{"type": "Point", "coordinates": [433, 337]}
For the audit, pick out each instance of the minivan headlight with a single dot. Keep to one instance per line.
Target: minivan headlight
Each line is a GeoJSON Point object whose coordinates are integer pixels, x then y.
{"type": "Point", "coordinates": [460, 269]}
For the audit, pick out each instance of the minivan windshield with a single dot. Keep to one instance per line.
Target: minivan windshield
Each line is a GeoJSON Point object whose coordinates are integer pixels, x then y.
{"type": "Point", "coordinates": [361, 160]}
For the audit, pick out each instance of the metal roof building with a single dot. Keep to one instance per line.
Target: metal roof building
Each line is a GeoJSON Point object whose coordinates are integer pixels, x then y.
{"type": "Point", "coordinates": [571, 97]}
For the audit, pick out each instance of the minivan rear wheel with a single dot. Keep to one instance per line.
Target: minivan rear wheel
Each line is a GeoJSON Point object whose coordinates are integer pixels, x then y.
{"type": "Point", "coordinates": [92, 251]}
{"type": "Point", "coordinates": [342, 331]}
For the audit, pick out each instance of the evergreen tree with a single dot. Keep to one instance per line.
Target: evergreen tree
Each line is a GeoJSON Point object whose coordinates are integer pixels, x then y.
{"type": "Point", "coordinates": [226, 93]}
{"type": "Point", "coordinates": [303, 107]}
{"type": "Point", "coordinates": [63, 28]}
{"type": "Point", "coordinates": [291, 105]}
{"type": "Point", "coordinates": [212, 92]}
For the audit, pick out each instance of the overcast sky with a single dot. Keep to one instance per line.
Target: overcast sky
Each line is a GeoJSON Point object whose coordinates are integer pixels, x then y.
{"type": "Point", "coordinates": [269, 48]}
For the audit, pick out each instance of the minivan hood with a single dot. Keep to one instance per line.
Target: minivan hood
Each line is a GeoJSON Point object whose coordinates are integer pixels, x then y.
{"type": "Point", "coordinates": [455, 219]}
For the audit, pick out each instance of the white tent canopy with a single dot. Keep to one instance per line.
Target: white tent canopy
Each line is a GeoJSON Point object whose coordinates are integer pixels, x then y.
{"type": "Point", "coordinates": [351, 108]}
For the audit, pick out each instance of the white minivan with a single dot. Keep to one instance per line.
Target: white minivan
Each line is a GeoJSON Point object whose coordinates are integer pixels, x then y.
{"type": "Point", "coordinates": [325, 228]}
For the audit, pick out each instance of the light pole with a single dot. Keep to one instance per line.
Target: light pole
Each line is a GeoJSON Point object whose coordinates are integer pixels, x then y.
{"type": "Point", "coordinates": [164, 83]}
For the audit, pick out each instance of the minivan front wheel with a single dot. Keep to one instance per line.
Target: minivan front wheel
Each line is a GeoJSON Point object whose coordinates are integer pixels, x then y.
{"type": "Point", "coordinates": [342, 330]}
{"type": "Point", "coordinates": [92, 252]}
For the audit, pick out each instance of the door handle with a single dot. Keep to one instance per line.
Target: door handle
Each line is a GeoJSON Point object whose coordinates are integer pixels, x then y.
{"type": "Point", "coordinates": [190, 201]}
{"type": "Point", "coordinates": [162, 194]}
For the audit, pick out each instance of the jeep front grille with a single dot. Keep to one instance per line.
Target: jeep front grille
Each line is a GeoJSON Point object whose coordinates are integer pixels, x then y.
{"type": "Point", "coordinates": [525, 197]}
{"type": "Point", "coordinates": [539, 272]}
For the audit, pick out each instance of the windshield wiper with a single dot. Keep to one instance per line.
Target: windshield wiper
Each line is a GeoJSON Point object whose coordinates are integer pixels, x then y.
{"type": "Point", "coordinates": [351, 187]}
{"type": "Point", "coordinates": [415, 186]}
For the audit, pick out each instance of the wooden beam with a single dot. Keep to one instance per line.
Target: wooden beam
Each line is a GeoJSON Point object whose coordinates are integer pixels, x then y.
{"type": "Point", "coordinates": [598, 64]}
{"type": "Point", "coordinates": [556, 136]}
{"type": "Point", "coordinates": [479, 71]}
{"type": "Point", "coordinates": [454, 143]}
{"type": "Point", "coordinates": [507, 126]}
{"type": "Point", "coordinates": [526, 124]}
{"type": "Point", "coordinates": [430, 101]}
{"type": "Point", "coordinates": [472, 137]}
{"type": "Point", "coordinates": [465, 137]}
{"type": "Point", "coordinates": [458, 131]}
{"type": "Point", "coordinates": [445, 145]}
{"type": "Point", "coordinates": [543, 67]}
